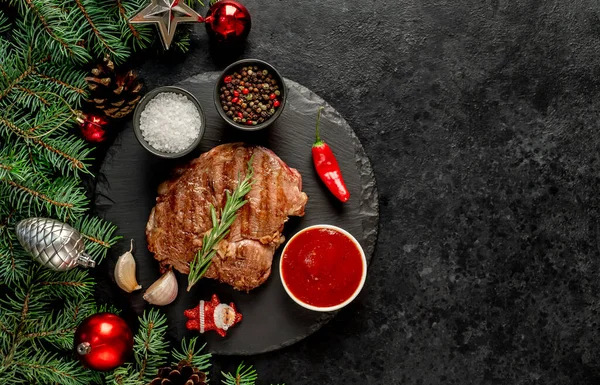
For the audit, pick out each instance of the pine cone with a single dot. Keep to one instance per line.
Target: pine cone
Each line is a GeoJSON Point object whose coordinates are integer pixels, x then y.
{"type": "Point", "coordinates": [182, 374]}
{"type": "Point", "coordinates": [115, 94]}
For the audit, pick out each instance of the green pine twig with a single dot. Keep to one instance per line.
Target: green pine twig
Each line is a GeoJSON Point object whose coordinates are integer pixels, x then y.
{"type": "Point", "coordinates": [75, 283]}
{"type": "Point", "coordinates": [220, 228]}
{"type": "Point", "coordinates": [243, 376]}
{"type": "Point", "coordinates": [98, 235]}
{"type": "Point", "coordinates": [150, 346]}
{"type": "Point", "coordinates": [194, 356]}
{"type": "Point", "coordinates": [63, 198]}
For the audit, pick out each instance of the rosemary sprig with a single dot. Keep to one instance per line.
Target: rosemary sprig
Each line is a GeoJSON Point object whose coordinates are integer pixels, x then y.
{"type": "Point", "coordinates": [220, 229]}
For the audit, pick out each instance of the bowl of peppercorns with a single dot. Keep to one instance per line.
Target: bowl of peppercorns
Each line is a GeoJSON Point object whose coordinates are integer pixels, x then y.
{"type": "Point", "coordinates": [250, 94]}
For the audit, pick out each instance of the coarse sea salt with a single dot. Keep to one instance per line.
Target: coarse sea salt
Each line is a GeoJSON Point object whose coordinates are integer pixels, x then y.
{"type": "Point", "coordinates": [170, 122]}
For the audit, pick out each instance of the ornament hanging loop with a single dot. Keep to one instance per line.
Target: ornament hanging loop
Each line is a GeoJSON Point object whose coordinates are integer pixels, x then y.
{"type": "Point", "coordinates": [84, 260]}
{"type": "Point", "coordinates": [84, 348]}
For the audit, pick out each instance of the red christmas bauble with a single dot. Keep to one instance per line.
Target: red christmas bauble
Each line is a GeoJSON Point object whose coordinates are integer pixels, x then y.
{"type": "Point", "coordinates": [103, 341]}
{"type": "Point", "coordinates": [228, 21]}
{"type": "Point", "coordinates": [93, 128]}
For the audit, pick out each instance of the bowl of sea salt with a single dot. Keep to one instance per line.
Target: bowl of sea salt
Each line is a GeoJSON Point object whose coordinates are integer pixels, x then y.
{"type": "Point", "coordinates": [169, 122]}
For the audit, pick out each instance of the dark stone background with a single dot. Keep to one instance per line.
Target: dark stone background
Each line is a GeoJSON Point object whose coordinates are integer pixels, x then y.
{"type": "Point", "coordinates": [481, 121]}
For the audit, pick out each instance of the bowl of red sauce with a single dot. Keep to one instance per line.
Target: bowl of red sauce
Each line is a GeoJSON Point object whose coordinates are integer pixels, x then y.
{"type": "Point", "coordinates": [323, 268]}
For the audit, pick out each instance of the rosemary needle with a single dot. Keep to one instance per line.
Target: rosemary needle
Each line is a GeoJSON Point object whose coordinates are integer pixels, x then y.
{"type": "Point", "coordinates": [220, 228]}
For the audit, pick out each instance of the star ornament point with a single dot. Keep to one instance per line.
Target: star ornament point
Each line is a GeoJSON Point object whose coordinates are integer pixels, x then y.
{"type": "Point", "coordinates": [166, 14]}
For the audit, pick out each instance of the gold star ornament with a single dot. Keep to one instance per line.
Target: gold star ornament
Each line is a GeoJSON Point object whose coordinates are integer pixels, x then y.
{"type": "Point", "coordinates": [167, 14]}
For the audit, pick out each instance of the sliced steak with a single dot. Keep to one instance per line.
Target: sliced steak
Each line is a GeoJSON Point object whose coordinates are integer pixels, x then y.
{"type": "Point", "coordinates": [181, 216]}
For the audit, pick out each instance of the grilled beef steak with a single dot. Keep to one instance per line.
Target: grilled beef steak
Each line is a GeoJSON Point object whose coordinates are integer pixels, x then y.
{"type": "Point", "coordinates": [181, 216]}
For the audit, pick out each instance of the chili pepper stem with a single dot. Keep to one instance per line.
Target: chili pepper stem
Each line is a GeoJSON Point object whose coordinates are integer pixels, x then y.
{"type": "Point", "coordinates": [318, 141]}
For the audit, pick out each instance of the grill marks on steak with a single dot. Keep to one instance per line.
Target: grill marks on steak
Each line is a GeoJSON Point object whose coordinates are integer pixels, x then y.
{"type": "Point", "coordinates": [182, 213]}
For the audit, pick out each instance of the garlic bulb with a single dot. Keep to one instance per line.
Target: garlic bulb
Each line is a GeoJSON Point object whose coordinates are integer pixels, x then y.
{"type": "Point", "coordinates": [125, 272]}
{"type": "Point", "coordinates": [163, 291]}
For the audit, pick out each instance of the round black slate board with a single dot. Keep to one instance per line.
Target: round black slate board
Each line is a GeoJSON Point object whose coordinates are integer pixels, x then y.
{"type": "Point", "coordinates": [126, 191]}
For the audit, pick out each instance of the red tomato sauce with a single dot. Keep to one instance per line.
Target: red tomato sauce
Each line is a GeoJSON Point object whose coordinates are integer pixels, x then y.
{"type": "Point", "coordinates": [322, 267]}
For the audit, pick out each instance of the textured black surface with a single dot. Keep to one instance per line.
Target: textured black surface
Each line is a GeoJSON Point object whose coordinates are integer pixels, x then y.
{"type": "Point", "coordinates": [271, 319]}
{"type": "Point", "coordinates": [481, 121]}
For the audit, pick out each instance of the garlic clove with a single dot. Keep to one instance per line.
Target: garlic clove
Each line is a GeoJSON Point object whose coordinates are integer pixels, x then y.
{"type": "Point", "coordinates": [125, 272]}
{"type": "Point", "coordinates": [163, 291]}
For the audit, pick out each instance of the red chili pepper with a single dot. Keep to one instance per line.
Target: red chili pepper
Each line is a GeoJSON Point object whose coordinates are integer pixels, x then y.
{"type": "Point", "coordinates": [327, 166]}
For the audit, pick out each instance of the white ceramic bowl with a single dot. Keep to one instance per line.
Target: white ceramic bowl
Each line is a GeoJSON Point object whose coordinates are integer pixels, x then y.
{"type": "Point", "coordinates": [360, 285]}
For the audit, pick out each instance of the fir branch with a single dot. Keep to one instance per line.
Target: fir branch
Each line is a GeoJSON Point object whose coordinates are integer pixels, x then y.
{"type": "Point", "coordinates": [30, 76]}
{"type": "Point", "coordinates": [66, 152]}
{"type": "Point", "coordinates": [124, 375]}
{"type": "Point", "coordinates": [182, 41]}
{"type": "Point", "coordinates": [41, 21]}
{"type": "Point", "coordinates": [92, 25]}
{"type": "Point", "coordinates": [74, 283]}
{"type": "Point", "coordinates": [74, 88]}
{"type": "Point", "coordinates": [49, 332]}
{"type": "Point", "coordinates": [14, 261]}
{"type": "Point", "coordinates": [123, 14]}
{"type": "Point", "coordinates": [46, 26]}
{"type": "Point", "coordinates": [13, 162]}
{"type": "Point", "coordinates": [106, 308]}
{"type": "Point", "coordinates": [33, 95]}
{"type": "Point", "coordinates": [30, 69]}
{"type": "Point", "coordinates": [78, 309]}
{"type": "Point", "coordinates": [62, 198]}
{"type": "Point", "coordinates": [101, 28]}
{"type": "Point", "coordinates": [45, 367]}
{"type": "Point", "coordinates": [26, 128]}
{"type": "Point", "coordinates": [63, 151]}
{"type": "Point", "coordinates": [136, 36]}
{"type": "Point", "coordinates": [220, 228]}
{"type": "Point", "coordinates": [16, 309]}
{"type": "Point", "coordinates": [50, 329]}
{"type": "Point", "coordinates": [189, 353]}
{"type": "Point", "coordinates": [5, 24]}
{"type": "Point", "coordinates": [40, 167]}
{"type": "Point", "coordinates": [243, 376]}
{"type": "Point", "coordinates": [150, 347]}
{"type": "Point", "coordinates": [98, 236]}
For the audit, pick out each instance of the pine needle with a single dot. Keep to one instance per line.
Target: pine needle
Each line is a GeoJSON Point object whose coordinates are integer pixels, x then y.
{"type": "Point", "coordinates": [220, 229]}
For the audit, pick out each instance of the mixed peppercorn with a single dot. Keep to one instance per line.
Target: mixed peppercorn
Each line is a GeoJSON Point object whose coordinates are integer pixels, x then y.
{"type": "Point", "coordinates": [250, 96]}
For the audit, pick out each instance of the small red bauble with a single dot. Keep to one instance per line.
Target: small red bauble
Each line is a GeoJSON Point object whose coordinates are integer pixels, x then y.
{"type": "Point", "coordinates": [103, 341]}
{"type": "Point", "coordinates": [93, 128]}
{"type": "Point", "coordinates": [228, 21]}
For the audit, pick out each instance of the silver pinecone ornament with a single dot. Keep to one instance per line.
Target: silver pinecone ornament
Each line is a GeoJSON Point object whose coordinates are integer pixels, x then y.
{"type": "Point", "coordinates": [54, 244]}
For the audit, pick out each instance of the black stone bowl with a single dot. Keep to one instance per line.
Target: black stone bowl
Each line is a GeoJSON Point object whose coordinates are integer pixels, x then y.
{"type": "Point", "coordinates": [142, 104]}
{"type": "Point", "coordinates": [261, 65]}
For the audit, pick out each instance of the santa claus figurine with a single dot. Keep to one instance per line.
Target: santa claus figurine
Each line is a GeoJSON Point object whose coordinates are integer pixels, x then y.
{"type": "Point", "coordinates": [212, 315]}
